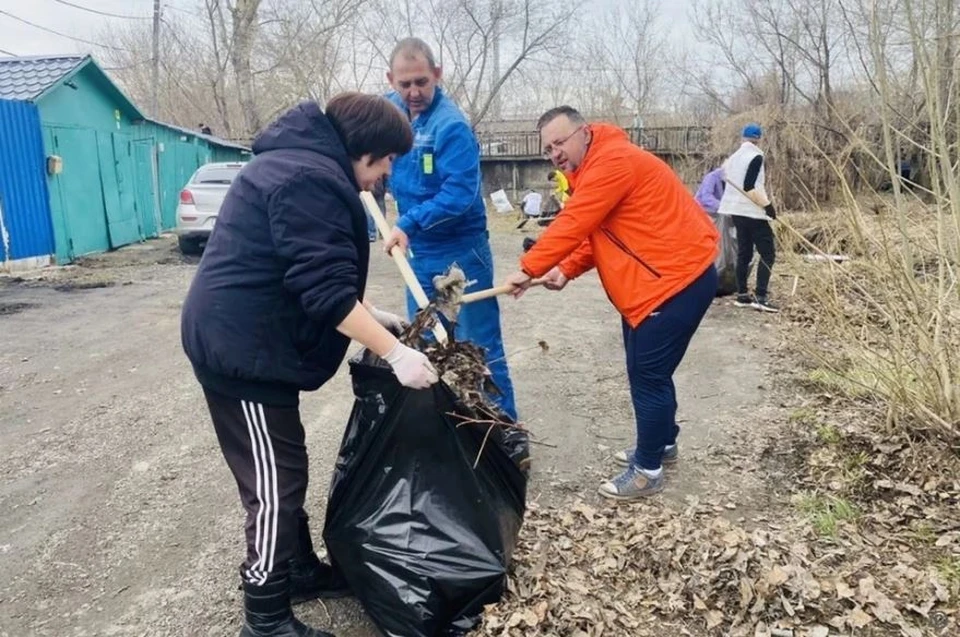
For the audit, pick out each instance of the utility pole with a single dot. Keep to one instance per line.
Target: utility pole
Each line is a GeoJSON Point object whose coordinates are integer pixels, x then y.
{"type": "Point", "coordinates": [154, 96]}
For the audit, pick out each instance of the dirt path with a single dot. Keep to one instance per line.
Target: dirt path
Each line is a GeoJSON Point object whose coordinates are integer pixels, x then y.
{"type": "Point", "coordinates": [120, 517]}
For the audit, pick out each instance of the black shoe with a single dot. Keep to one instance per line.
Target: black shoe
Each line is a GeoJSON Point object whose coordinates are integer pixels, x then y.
{"type": "Point", "coordinates": [309, 577]}
{"type": "Point", "coordinates": [528, 243]}
{"type": "Point", "coordinates": [744, 300]}
{"type": "Point", "coordinates": [312, 579]}
{"type": "Point", "coordinates": [267, 611]}
{"type": "Point", "coordinates": [763, 304]}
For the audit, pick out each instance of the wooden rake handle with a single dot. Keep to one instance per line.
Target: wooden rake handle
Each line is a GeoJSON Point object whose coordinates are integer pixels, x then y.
{"type": "Point", "coordinates": [401, 260]}
{"type": "Point", "coordinates": [491, 292]}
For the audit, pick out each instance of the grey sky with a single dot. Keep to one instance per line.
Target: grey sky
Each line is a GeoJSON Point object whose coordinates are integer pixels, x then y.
{"type": "Point", "coordinates": [21, 39]}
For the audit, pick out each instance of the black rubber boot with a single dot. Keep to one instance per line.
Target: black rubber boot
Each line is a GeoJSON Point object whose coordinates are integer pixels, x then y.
{"type": "Point", "coordinates": [309, 577]}
{"type": "Point", "coordinates": [267, 612]}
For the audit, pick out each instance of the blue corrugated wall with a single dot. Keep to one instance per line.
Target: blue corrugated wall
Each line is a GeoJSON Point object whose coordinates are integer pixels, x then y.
{"type": "Point", "coordinates": [24, 201]}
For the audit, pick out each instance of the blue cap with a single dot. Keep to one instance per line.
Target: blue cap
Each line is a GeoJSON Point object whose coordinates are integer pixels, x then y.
{"type": "Point", "coordinates": [752, 131]}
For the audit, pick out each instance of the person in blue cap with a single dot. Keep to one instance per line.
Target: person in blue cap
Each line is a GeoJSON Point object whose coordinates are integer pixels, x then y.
{"type": "Point", "coordinates": [749, 205]}
{"type": "Point", "coordinates": [442, 216]}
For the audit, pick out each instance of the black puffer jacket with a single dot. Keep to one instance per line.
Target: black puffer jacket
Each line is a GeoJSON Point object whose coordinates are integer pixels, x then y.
{"type": "Point", "coordinates": [284, 265]}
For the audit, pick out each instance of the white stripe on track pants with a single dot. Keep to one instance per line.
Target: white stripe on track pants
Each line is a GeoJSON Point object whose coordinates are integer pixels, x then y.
{"type": "Point", "coordinates": [264, 448]}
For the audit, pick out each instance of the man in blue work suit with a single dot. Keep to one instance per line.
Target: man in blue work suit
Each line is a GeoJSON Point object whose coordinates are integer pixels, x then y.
{"type": "Point", "coordinates": [443, 219]}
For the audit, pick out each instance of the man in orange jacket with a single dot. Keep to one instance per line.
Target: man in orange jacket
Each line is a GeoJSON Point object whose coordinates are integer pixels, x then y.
{"type": "Point", "coordinates": [632, 218]}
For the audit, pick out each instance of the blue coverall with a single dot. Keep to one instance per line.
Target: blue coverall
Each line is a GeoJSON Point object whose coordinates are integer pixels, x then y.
{"type": "Point", "coordinates": [440, 202]}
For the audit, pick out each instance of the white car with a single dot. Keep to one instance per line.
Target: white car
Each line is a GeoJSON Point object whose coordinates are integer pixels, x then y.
{"type": "Point", "coordinates": [200, 202]}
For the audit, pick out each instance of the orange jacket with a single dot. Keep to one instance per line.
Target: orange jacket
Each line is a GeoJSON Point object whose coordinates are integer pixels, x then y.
{"type": "Point", "coordinates": [632, 218]}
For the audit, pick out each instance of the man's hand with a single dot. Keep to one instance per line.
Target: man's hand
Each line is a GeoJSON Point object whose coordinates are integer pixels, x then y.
{"type": "Point", "coordinates": [519, 281]}
{"type": "Point", "coordinates": [393, 323]}
{"type": "Point", "coordinates": [770, 210]}
{"type": "Point", "coordinates": [397, 238]}
{"type": "Point", "coordinates": [555, 279]}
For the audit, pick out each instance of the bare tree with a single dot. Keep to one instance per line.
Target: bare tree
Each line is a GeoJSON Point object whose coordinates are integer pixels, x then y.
{"type": "Point", "coordinates": [804, 39]}
{"type": "Point", "coordinates": [221, 48]}
{"type": "Point", "coordinates": [237, 63]}
{"type": "Point", "coordinates": [192, 84]}
{"type": "Point", "coordinates": [526, 29]}
{"type": "Point", "coordinates": [542, 84]}
{"type": "Point", "coordinates": [298, 50]}
{"type": "Point", "coordinates": [305, 48]}
{"type": "Point", "coordinates": [803, 42]}
{"type": "Point", "coordinates": [628, 47]}
{"type": "Point", "coordinates": [244, 24]}
{"type": "Point", "coordinates": [726, 63]}
{"type": "Point", "coordinates": [365, 63]}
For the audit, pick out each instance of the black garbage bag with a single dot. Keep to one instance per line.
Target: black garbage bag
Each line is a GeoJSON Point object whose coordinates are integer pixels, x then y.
{"type": "Point", "coordinates": [726, 261]}
{"type": "Point", "coordinates": [422, 538]}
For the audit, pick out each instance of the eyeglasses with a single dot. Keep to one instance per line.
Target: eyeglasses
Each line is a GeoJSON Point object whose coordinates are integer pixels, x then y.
{"type": "Point", "coordinates": [552, 148]}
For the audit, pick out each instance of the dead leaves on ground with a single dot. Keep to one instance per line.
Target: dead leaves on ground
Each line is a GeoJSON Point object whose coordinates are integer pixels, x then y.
{"type": "Point", "coordinates": [643, 569]}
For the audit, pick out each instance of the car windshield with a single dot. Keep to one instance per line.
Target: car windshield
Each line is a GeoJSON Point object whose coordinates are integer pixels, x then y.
{"type": "Point", "coordinates": [217, 175]}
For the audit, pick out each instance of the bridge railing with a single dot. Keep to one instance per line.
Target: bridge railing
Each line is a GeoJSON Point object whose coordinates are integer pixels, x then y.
{"type": "Point", "coordinates": [664, 140]}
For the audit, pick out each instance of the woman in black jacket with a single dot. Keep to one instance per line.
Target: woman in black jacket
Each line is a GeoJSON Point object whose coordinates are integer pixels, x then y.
{"type": "Point", "coordinates": [277, 297]}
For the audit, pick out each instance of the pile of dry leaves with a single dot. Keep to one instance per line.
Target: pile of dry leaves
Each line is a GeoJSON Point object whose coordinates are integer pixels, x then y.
{"type": "Point", "coordinates": [462, 367]}
{"type": "Point", "coordinates": [647, 570]}
{"type": "Point", "coordinates": [460, 364]}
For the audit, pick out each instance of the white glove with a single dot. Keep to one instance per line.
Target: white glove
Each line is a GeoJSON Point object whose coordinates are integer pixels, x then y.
{"type": "Point", "coordinates": [412, 368]}
{"type": "Point", "coordinates": [389, 320]}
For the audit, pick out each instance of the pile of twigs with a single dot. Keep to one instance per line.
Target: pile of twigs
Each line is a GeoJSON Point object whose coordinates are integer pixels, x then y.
{"type": "Point", "coordinates": [462, 366]}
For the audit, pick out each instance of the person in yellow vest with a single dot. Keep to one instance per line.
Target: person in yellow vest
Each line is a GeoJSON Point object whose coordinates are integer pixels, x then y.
{"type": "Point", "coordinates": [561, 187]}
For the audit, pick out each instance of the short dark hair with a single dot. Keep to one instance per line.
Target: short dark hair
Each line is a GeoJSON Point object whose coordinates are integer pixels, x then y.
{"type": "Point", "coordinates": [411, 48]}
{"type": "Point", "coordinates": [369, 124]}
{"type": "Point", "coordinates": [572, 114]}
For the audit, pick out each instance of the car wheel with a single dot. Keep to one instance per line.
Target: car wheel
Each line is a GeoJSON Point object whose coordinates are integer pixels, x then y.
{"type": "Point", "coordinates": [189, 246]}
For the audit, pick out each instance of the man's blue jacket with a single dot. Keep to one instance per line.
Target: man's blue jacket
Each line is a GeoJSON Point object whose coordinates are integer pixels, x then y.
{"type": "Point", "coordinates": [437, 184]}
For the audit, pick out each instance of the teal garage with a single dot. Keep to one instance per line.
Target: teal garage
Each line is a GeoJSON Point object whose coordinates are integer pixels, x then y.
{"type": "Point", "coordinates": [112, 175]}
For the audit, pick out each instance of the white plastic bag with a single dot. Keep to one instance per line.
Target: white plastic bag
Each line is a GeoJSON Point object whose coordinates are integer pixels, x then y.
{"type": "Point", "coordinates": [501, 202]}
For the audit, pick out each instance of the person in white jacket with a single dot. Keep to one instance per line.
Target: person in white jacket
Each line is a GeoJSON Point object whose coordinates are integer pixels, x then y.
{"type": "Point", "coordinates": [747, 202]}
{"type": "Point", "coordinates": [531, 207]}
